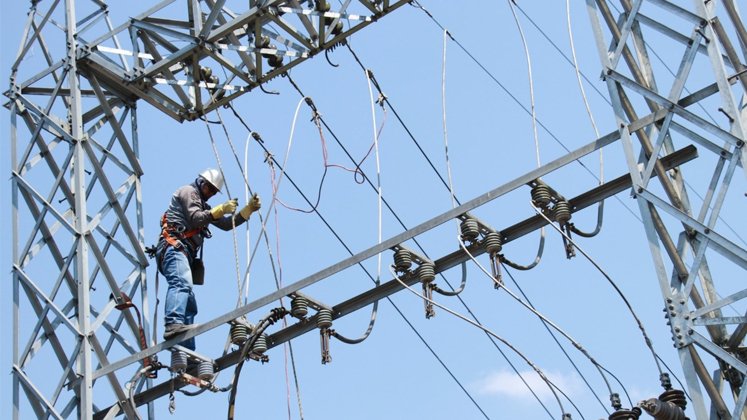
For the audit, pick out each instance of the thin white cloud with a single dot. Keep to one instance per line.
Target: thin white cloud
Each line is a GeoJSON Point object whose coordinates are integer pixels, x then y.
{"type": "Point", "coordinates": [509, 384]}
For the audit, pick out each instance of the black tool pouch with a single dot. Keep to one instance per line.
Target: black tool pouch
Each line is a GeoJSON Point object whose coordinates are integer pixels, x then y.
{"type": "Point", "coordinates": [198, 270]}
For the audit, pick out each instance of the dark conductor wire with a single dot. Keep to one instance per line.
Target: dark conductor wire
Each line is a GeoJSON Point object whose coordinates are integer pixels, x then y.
{"type": "Point", "coordinates": [259, 141]}
{"type": "Point", "coordinates": [495, 344]}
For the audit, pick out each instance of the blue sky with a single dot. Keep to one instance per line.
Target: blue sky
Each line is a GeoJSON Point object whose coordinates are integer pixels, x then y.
{"type": "Point", "coordinates": [490, 142]}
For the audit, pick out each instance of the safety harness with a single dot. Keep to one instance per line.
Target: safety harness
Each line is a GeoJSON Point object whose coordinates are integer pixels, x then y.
{"type": "Point", "coordinates": [171, 234]}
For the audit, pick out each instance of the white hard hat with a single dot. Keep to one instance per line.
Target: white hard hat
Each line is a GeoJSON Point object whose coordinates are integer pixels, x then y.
{"type": "Point", "coordinates": [214, 177]}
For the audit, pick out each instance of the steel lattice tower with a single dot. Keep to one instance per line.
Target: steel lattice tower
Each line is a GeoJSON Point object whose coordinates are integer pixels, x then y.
{"type": "Point", "coordinates": [78, 246]}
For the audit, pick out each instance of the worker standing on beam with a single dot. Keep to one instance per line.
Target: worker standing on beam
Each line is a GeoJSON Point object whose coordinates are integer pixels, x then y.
{"type": "Point", "coordinates": [184, 227]}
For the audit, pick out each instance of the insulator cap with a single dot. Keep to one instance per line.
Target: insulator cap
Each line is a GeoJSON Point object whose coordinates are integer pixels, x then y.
{"type": "Point", "coordinates": [402, 259]}
{"type": "Point", "coordinates": [632, 414]}
{"type": "Point", "coordinates": [541, 195]}
{"type": "Point", "coordinates": [493, 243]}
{"type": "Point", "coordinates": [299, 307]}
{"type": "Point", "coordinates": [470, 230]}
{"type": "Point", "coordinates": [260, 346]}
{"type": "Point", "coordinates": [239, 333]}
{"type": "Point", "coordinates": [325, 318]}
{"type": "Point", "coordinates": [426, 272]}
{"type": "Point", "coordinates": [205, 371]}
{"type": "Point", "coordinates": [562, 212]}
{"type": "Point", "coordinates": [178, 361]}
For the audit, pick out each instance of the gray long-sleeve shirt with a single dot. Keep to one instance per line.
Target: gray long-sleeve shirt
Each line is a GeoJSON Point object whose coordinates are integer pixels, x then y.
{"type": "Point", "coordinates": [187, 211]}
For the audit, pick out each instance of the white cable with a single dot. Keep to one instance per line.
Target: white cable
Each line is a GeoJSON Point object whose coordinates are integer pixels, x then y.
{"type": "Point", "coordinates": [547, 381]}
{"type": "Point", "coordinates": [276, 185]}
{"type": "Point", "coordinates": [248, 233]}
{"type": "Point", "coordinates": [446, 133]}
{"type": "Point", "coordinates": [539, 314]}
{"type": "Point", "coordinates": [378, 171]}
{"type": "Point", "coordinates": [531, 82]}
{"type": "Point", "coordinates": [581, 87]}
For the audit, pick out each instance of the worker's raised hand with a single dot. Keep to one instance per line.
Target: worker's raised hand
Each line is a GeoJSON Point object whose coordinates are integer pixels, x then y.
{"type": "Point", "coordinates": [253, 205]}
{"type": "Point", "coordinates": [226, 208]}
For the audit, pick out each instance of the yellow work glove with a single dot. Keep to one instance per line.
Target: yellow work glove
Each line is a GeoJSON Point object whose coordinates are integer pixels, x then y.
{"type": "Point", "coordinates": [254, 205]}
{"type": "Point", "coordinates": [226, 208]}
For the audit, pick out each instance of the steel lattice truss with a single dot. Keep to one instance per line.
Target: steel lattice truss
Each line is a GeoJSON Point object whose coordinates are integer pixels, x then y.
{"type": "Point", "coordinates": [694, 298]}
{"type": "Point", "coordinates": [76, 178]}
{"type": "Point", "coordinates": [77, 221]}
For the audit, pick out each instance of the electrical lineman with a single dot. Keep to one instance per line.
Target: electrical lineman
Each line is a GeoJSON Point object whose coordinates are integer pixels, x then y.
{"type": "Point", "coordinates": [184, 227]}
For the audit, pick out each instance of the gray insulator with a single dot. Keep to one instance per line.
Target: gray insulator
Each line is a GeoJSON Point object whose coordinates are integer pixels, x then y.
{"type": "Point", "coordinates": [325, 319]}
{"type": "Point", "coordinates": [674, 396]}
{"type": "Point", "coordinates": [633, 414]}
{"type": "Point", "coordinates": [178, 361]}
{"type": "Point", "coordinates": [299, 307]}
{"type": "Point", "coordinates": [426, 272]}
{"type": "Point", "coordinates": [470, 229]}
{"type": "Point", "coordinates": [541, 195]}
{"type": "Point", "coordinates": [402, 259]}
{"type": "Point", "coordinates": [260, 346]}
{"type": "Point", "coordinates": [493, 243]}
{"type": "Point", "coordinates": [239, 333]}
{"type": "Point", "coordinates": [562, 212]}
{"type": "Point", "coordinates": [205, 371]}
{"type": "Point", "coordinates": [661, 410]}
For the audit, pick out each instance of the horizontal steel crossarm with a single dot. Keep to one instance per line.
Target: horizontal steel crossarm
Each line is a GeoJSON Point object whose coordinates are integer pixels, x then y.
{"type": "Point", "coordinates": [449, 261]}
{"type": "Point", "coordinates": [370, 252]}
{"type": "Point", "coordinates": [676, 108]}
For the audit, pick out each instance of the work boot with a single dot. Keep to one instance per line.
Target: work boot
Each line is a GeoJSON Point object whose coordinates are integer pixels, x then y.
{"type": "Point", "coordinates": [172, 330]}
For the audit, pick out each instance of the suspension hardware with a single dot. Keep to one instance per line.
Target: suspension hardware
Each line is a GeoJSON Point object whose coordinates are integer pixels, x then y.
{"type": "Point", "coordinates": [324, 323]}
{"type": "Point", "coordinates": [556, 208]}
{"type": "Point", "coordinates": [426, 272]}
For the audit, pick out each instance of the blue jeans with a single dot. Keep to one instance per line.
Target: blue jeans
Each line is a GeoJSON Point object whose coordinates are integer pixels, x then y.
{"type": "Point", "coordinates": [181, 305]}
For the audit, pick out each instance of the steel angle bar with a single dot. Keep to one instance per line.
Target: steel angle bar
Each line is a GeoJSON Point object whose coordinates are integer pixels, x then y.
{"type": "Point", "coordinates": [245, 19]}
{"type": "Point", "coordinates": [728, 249]}
{"type": "Point", "coordinates": [32, 289]}
{"type": "Point", "coordinates": [66, 373]}
{"type": "Point", "coordinates": [719, 304]}
{"type": "Point", "coordinates": [368, 253]}
{"type": "Point", "coordinates": [718, 352]}
{"type": "Point", "coordinates": [679, 11]}
{"type": "Point", "coordinates": [693, 118]}
{"type": "Point", "coordinates": [289, 29]}
{"type": "Point", "coordinates": [134, 163]}
{"type": "Point", "coordinates": [739, 406]}
{"type": "Point", "coordinates": [122, 217]}
{"type": "Point", "coordinates": [625, 32]}
{"type": "Point", "coordinates": [222, 60]}
{"type": "Point", "coordinates": [37, 34]}
{"type": "Point", "coordinates": [113, 381]}
{"type": "Point", "coordinates": [34, 391]}
{"type": "Point", "coordinates": [21, 182]}
{"type": "Point", "coordinates": [54, 125]}
{"type": "Point", "coordinates": [39, 76]}
{"type": "Point", "coordinates": [722, 320]}
{"type": "Point", "coordinates": [303, 16]}
{"type": "Point", "coordinates": [42, 316]}
{"type": "Point", "coordinates": [149, 46]}
{"type": "Point", "coordinates": [91, 20]}
{"type": "Point", "coordinates": [214, 12]}
{"type": "Point", "coordinates": [116, 104]}
{"type": "Point", "coordinates": [107, 155]}
{"type": "Point", "coordinates": [702, 141]}
{"type": "Point", "coordinates": [669, 32]}
{"type": "Point", "coordinates": [164, 31]}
